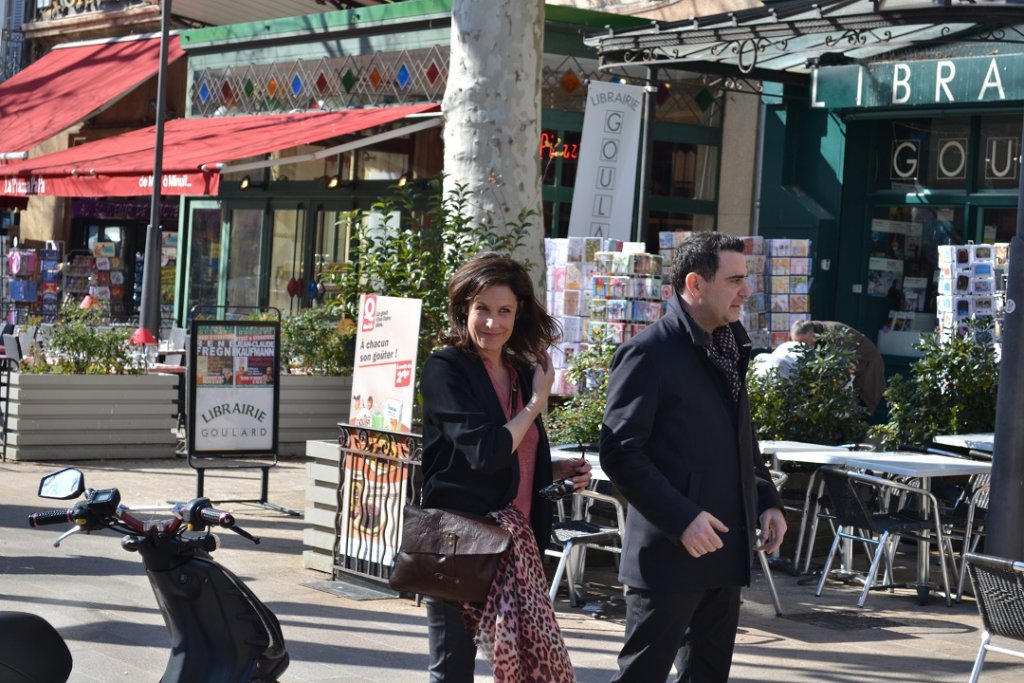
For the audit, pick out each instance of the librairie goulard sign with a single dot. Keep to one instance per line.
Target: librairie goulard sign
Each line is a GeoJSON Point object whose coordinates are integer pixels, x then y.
{"type": "Point", "coordinates": [233, 371]}
{"type": "Point", "coordinates": [926, 82]}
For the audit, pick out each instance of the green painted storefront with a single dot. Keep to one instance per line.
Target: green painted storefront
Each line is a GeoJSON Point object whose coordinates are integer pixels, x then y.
{"type": "Point", "coordinates": [934, 142]}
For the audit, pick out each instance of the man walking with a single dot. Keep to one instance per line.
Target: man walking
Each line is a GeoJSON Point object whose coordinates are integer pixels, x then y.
{"type": "Point", "coordinates": [679, 444]}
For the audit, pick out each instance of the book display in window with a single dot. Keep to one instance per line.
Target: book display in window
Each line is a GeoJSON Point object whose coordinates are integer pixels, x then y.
{"type": "Point", "coordinates": [51, 281]}
{"type": "Point", "coordinates": [787, 286]}
{"type": "Point", "coordinates": [22, 278]}
{"type": "Point", "coordinates": [972, 286]}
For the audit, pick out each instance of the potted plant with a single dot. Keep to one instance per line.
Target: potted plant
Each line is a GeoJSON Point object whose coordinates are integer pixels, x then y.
{"type": "Point", "coordinates": [317, 349]}
{"type": "Point", "coordinates": [577, 422]}
{"type": "Point", "coordinates": [815, 402]}
{"type": "Point", "coordinates": [952, 389]}
{"type": "Point", "coordinates": [87, 395]}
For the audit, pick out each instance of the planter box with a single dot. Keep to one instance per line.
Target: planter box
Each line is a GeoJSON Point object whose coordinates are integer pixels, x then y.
{"type": "Point", "coordinates": [78, 417]}
{"type": "Point", "coordinates": [310, 409]}
{"type": "Point", "coordinates": [323, 481]}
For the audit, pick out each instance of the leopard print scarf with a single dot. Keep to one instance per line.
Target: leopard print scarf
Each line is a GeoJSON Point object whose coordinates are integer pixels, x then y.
{"type": "Point", "coordinates": [516, 629]}
{"type": "Point", "coordinates": [725, 354]}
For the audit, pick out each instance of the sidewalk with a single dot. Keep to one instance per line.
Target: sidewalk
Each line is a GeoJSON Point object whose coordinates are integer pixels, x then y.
{"type": "Point", "coordinates": [99, 599]}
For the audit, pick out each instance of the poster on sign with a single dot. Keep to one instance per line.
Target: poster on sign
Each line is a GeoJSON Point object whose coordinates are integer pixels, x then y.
{"type": "Point", "coordinates": [383, 385]}
{"type": "Point", "coordinates": [383, 392]}
{"type": "Point", "coordinates": [234, 396]}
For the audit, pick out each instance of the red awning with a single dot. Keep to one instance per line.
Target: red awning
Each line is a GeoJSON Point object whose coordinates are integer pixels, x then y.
{"type": "Point", "coordinates": [70, 84]}
{"type": "Point", "coordinates": [194, 150]}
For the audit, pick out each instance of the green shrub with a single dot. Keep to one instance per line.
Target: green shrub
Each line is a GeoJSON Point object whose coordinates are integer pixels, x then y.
{"type": "Point", "coordinates": [578, 420]}
{"type": "Point", "coordinates": [816, 402]}
{"type": "Point", "coordinates": [80, 345]}
{"type": "Point", "coordinates": [315, 341]}
{"type": "Point", "coordinates": [952, 389]}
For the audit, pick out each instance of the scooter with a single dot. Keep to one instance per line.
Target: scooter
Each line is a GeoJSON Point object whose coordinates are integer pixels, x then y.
{"type": "Point", "coordinates": [220, 631]}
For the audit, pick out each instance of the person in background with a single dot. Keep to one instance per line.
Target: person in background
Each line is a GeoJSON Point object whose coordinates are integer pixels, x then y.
{"type": "Point", "coordinates": [485, 451]}
{"type": "Point", "coordinates": [782, 359]}
{"type": "Point", "coordinates": [869, 373]}
{"type": "Point", "coordinates": [679, 443]}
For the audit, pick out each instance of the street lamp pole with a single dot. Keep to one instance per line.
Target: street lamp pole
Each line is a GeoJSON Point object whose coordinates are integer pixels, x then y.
{"type": "Point", "coordinates": [1004, 530]}
{"type": "Point", "coordinates": [149, 311]}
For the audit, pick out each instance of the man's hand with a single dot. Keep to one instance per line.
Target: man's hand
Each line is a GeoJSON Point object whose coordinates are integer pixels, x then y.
{"type": "Point", "coordinates": [773, 529]}
{"type": "Point", "coordinates": [701, 536]}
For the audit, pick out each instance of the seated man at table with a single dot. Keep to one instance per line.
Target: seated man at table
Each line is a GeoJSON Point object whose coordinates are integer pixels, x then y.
{"type": "Point", "coordinates": [782, 360]}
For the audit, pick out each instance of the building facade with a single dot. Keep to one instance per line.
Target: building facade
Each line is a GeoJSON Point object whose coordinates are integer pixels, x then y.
{"type": "Point", "coordinates": [278, 218]}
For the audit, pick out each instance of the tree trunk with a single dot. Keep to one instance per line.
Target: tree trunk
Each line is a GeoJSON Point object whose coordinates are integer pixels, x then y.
{"type": "Point", "coordinates": [492, 113]}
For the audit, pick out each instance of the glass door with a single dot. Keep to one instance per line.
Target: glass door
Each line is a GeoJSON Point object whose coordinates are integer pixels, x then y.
{"type": "Point", "coordinates": [203, 259]}
{"type": "Point", "coordinates": [331, 242]}
{"type": "Point", "coordinates": [996, 224]}
{"type": "Point", "coordinates": [288, 279]}
{"type": "Point", "coordinates": [244, 257]}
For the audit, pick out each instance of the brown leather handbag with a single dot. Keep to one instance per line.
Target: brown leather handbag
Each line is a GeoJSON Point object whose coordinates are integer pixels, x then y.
{"type": "Point", "coordinates": [446, 554]}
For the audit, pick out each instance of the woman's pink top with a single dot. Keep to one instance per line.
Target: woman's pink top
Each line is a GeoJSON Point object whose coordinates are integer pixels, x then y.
{"type": "Point", "coordinates": [512, 403]}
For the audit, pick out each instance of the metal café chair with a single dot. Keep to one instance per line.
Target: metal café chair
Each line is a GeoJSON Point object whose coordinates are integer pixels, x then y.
{"type": "Point", "coordinates": [882, 529]}
{"type": "Point", "coordinates": [779, 479]}
{"type": "Point", "coordinates": [572, 537]}
{"type": "Point", "coordinates": [999, 589]}
{"type": "Point", "coordinates": [974, 525]}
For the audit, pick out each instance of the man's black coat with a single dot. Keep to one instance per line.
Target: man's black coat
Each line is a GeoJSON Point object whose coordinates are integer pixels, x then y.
{"type": "Point", "coordinates": [676, 443]}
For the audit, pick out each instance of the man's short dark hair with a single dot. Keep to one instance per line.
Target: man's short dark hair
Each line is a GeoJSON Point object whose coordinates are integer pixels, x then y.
{"type": "Point", "coordinates": [698, 253]}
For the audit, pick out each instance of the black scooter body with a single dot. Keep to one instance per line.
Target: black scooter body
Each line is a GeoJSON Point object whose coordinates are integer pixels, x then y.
{"type": "Point", "coordinates": [32, 650]}
{"type": "Point", "coordinates": [220, 630]}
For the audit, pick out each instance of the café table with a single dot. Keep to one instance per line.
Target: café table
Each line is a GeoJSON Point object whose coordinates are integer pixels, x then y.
{"type": "Point", "coordinates": [771, 448]}
{"type": "Point", "coordinates": [980, 441]}
{"type": "Point", "coordinates": [827, 455]}
{"type": "Point", "coordinates": [923, 467]}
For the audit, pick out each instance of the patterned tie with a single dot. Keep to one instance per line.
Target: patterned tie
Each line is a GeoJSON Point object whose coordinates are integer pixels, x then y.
{"type": "Point", "coordinates": [725, 354]}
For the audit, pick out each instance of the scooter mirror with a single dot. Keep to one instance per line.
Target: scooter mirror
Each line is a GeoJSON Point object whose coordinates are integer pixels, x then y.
{"type": "Point", "coordinates": [63, 484]}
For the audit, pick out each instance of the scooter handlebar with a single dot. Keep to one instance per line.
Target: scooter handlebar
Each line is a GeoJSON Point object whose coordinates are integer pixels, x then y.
{"type": "Point", "coordinates": [215, 517]}
{"type": "Point", "coordinates": [38, 519]}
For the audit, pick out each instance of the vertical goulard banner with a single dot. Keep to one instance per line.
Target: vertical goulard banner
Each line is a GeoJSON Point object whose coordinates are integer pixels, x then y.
{"type": "Point", "coordinates": [383, 386]}
{"type": "Point", "coordinates": [602, 198]}
{"type": "Point", "coordinates": [233, 371]}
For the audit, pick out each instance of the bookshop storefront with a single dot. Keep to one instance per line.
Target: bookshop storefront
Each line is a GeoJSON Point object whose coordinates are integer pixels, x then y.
{"type": "Point", "coordinates": [920, 175]}
{"type": "Point", "coordinates": [889, 130]}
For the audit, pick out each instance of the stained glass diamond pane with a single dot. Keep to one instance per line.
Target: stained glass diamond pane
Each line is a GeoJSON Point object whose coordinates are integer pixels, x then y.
{"type": "Point", "coordinates": [296, 85]}
{"type": "Point", "coordinates": [204, 93]}
{"type": "Point", "coordinates": [272, 87]}
{"type": "Point", "coordinates": [348, 80]}
{"type": "Point", "coordinates": [570, 81]}
{"type": "Point", "coordinates": [403, 76]}
{"type": "Point", "coordinates": [321, 83]}
{"type": "Point", "coordinates": [432, 73]}
{"type": "Point", "coordinates": [375, 78]}
{"type": "Point", "coordinates": [704, 99]}
{"type": "Point", "coordinates": [249, 88]}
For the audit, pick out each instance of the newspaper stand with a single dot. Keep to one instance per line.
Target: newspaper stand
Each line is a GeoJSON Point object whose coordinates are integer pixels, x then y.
{"type": "Point", "coordinates": [233, 396]}
{"type": "Point", "coordinates": [378, 474]}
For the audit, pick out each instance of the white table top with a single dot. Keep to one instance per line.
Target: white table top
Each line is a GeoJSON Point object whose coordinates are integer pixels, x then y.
{"type": "Point", "coordinates": [917, 464]}
{"type": "Point", "coordinates": [839, 456]}
{"type": "Point", "coordinates": [980, 441]}
{"type": "Point", "coordinates": [769, 447]}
